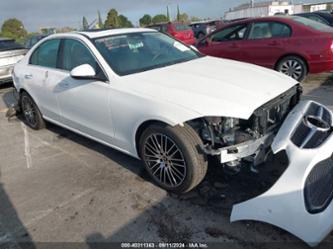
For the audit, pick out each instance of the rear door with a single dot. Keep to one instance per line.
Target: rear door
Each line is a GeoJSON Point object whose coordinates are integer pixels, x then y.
{"type": "Point", "coordinates": [266, 43]}
{"type": "Point", "coordinates": [43, 63]}
{"type": "Point", "coordinates": [226, 43]}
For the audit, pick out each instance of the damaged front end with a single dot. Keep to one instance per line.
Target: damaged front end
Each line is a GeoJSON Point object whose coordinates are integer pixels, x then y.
{"type": "Point", "coordinates": [237, 142]}
{"type": "Point", "coordinates": [300, 202]}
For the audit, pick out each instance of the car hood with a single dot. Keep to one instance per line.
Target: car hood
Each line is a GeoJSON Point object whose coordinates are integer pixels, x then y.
{"type": "Point", "coordinates": [211, 86]}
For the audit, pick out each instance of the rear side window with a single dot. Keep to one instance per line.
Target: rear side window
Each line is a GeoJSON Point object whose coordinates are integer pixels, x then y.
{"type": "Point", "coordinates": [46, 54]}
{"type": "Point", "coordinates": [266, 30]}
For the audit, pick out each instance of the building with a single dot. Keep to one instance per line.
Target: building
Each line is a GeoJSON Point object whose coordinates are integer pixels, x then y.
{"type": "Point", "coordinates": [261, 9]}
{"type": "Point", "coordinates": [312, 7]}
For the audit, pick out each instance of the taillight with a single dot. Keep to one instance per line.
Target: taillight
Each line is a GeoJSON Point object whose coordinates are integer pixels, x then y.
{"type": "Point", "coordinates": [332, 46]}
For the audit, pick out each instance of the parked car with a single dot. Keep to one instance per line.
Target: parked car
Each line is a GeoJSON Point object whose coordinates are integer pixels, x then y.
{"type": "Point", "coordinates": [319, 16]}
{"type": "Point", "coordinates": [180, 31]}
{"type": "Point", "coordinates": [146, 94]}
{"type": "Point", "coordinates": [292, 45]}
{"type": "Point", "coordinates": [204, 28]}
{"type": "Point", "coordinates": [10, 53]}
{"type": "Point", "coordinates": [31, 41]}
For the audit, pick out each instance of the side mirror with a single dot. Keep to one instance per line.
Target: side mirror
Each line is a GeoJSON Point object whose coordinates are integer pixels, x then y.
{"type": "Point", "coordinates": [84, 71]}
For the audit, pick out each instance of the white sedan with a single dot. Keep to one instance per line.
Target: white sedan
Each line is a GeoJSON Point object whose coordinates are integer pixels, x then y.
{"type": "Point", "coordinates": [145, 94]}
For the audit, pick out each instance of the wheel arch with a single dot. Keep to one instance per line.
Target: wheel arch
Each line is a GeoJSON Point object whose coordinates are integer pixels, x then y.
{"type": "Point", "coordinates": [296, 55]}
{"type": "Point", "coordinates": [142, 127]}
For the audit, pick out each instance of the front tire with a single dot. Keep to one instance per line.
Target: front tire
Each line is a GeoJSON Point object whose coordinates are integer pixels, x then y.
{"type": "Point", "coordinates": [32, 115]}
{"type": "Point", "coordinates": [294, 67]}
{"type": "Point", "coordinates": [172, 157]}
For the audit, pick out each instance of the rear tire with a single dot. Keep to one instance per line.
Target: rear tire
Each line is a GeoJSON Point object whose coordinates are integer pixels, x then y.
{"type": "Point", "coordinates": [31, 113]}
{"type": "Point", "coordinates": [294, 67]}
{"type": "Point", "coordinates": [173, 158]}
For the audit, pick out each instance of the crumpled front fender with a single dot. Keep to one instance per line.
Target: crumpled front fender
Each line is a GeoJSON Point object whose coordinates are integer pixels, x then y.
{"type": "Point", "coordinates": [300, 202]}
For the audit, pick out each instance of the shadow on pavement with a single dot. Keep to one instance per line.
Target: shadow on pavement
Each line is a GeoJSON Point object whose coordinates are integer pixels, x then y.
{"type": "Point", "coordinates": [13, 233]}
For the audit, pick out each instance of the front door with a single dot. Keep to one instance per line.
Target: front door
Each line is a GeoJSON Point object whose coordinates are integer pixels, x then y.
{"type": "Point", "coordinates": [84, 104]}
{"type": "Point", "coordinates": [226, 43]}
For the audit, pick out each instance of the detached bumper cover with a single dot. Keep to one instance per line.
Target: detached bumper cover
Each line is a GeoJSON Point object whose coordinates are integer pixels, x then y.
{"type": "Point", "coordinates": [300, 202]}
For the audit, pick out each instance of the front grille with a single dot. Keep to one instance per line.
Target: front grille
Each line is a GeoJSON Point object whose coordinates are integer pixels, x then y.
{"type": "Point", "coordinates": [318, 191]}
{"type": "Point", "coordinates": [271, 115]}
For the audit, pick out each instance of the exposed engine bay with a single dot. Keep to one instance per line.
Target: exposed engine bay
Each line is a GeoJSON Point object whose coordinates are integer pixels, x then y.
{"type": "Point", "coordinates": [236, 140]}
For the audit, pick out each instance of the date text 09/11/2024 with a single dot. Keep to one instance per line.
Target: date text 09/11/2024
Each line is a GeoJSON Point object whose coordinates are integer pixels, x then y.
{"type": "Point", "coordinates": [164, 245]}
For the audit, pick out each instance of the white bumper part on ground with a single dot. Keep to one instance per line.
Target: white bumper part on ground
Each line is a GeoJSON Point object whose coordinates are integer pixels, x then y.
{"type": "Point", "coordinates": [300, 202]}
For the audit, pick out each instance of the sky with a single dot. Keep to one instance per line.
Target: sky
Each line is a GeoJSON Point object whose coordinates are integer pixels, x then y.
{"type": "Point", "coordinates": [36, 14]}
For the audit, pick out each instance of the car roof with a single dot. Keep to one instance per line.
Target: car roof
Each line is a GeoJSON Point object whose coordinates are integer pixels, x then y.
{"type": "Point", "coordinates": [92, 34]}
{"type": "Point", "coordinates": [325, 15]}
{"type": "Point", "coordinates": [285, 19]}
{"type": "Point", "coordinates": [6, 39]}
{"type": "Point", "coordinates": [205, 22]}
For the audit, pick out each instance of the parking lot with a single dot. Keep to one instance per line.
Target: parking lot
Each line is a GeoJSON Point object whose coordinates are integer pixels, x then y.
{"type": "Point", "coordinates": [56, 186]}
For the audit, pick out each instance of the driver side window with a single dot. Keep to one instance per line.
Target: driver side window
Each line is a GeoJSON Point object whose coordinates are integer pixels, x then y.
{"type": "Point", "coordinates": [76, 54]}
{"type": "Point", "coordinates": [233, 33]}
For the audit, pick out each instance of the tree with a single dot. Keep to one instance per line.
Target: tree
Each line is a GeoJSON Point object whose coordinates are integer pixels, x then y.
{"type": "Point", "coordinates": [13, 28]}
{"type": "Point", "coordinates": [124, 22]}
{"type": "Point", "coordinates": [178, 13]}
{"type": "Point", "coordinates": [145, 20]}
{"type": "Point", "coordinates": [112, 19]}
{"type": "Point", "coordinates": [85, 24]}
{"type": "Point", "coordinates": [168, 14]}
{"type": "Point", "coordinates": [159, 19]}
{"type": "Point", "coordinates": [99, 20]}
{"type": "Point", "coordinates": [183, 17]}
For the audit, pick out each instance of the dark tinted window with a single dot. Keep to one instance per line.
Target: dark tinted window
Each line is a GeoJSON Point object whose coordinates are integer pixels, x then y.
{"type": "Point", "coordinates": [317, 19]}
{"type": "Point", "coordinates": [265, 30]}
{"type": "Point", "coordinates": [46, 54]}
{"type": "Point", "coordinates": [76, 53]}
{"type": "Point", "coordinates": [138, 52]}
{"type": "Point", "coordinates": [312, 24]}
{"type": "Point", "coordinates": [9, 45]}
{"type": "Point", "coordinates": [230, 34]}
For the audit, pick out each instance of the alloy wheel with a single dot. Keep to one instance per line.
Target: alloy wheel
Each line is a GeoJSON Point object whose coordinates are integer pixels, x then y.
{"type": "Point", "coordinates": [292, 68]}
{"type": "Point", "coordinates": [164, 160]}
{"type": "Point", "coordinates": [29, 111]}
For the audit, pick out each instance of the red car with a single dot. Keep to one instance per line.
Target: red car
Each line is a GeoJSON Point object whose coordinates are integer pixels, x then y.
{"type": "Point", "coordinates": [292, 45]}
{"type": "Point", "coordinates": [180, 31]}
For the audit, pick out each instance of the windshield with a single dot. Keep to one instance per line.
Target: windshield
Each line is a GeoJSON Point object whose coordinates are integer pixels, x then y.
{"type": "Point", "coordinates": [312, 24]}
{"type": "Point", "coordinates": [9, 45]}
{"type": "Point", "coordinates": [138, 52]}
{"type": "Point", "coordinates": [182, 27]}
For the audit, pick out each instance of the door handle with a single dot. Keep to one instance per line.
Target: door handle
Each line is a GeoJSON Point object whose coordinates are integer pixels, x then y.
{"type": "Point", "coordinates": [234, 45]}
{"type": "Point", "coordinates": [28, 76]}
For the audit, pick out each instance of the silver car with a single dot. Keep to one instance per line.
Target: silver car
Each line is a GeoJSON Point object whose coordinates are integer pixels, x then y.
{"type": "Point", "coordinates": [10, 53]}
